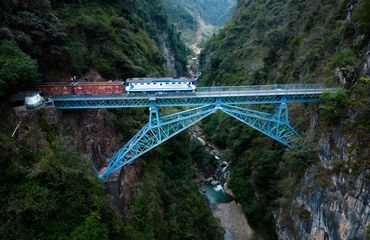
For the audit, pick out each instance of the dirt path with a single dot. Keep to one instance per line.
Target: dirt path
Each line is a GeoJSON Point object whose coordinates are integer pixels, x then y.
{"type": "Point", "coordinates": [198, 38]}
{"type": "Point", "coordinates": [203, 31]}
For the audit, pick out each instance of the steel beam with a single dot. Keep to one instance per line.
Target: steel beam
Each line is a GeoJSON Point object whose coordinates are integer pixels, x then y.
{"type": "Point", "coordinates": [94, 102]}
{"type": "Point", "coordinates": [159, 129]}
{"type": "Point", "coordinates": [275, 126]}
{"type": "Point", "coordinates": [155, 132]}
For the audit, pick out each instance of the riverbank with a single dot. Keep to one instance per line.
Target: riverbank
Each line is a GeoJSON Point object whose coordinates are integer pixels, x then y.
{"type": "Point", "coordinates": [220, 197]}
{"type": "Point", "coordinates": [233, 220]}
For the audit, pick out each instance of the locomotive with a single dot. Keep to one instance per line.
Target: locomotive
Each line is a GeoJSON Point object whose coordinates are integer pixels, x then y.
{"type": "Point", "coordinates": [160, 85]}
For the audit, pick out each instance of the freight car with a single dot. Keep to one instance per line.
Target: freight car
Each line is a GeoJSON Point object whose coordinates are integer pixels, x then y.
{"type": "Point", "coordinates": [98, 87]}
{"type": "Point", "coordinates": [58, 88]}
{"type": "Point", "coordinates": [52, 88]}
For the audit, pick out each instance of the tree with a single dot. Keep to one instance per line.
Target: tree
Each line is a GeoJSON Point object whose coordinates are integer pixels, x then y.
{"type": "Point", "coordinates": [15, 66]}
{"type": "Point", "coordinates": [91, 228]}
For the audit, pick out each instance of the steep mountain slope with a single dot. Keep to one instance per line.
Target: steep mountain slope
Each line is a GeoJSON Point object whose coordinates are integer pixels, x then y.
{"type": "Point", "coordinates": [48, 188]}
{"type": "Point", "coordinates": [118, 39]}
{"type": "Point", "coordinates": [309, 192]}
{"type": "Point", "coordinates": [199, 19]}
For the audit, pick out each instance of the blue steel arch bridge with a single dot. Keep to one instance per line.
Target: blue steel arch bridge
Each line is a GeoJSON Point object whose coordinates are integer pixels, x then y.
{"type": "Point", "coordinates": [233, 101]}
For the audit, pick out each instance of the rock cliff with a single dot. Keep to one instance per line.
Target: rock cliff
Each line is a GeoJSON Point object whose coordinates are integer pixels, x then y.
{"type": "Point", "coordinates": [328, 205]}
{"type": "Point", "coordinates": [332, 201]}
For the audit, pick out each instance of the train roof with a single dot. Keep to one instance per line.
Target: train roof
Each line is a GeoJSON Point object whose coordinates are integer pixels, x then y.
{"type": "Point", "coordinates": [161, 79]}
{"type": "Point", "coordinates": [107, 83]}
{"type": "Point", "coordinates": [51, 84]}
{"type": "Point", "coordinates": [69, 84]}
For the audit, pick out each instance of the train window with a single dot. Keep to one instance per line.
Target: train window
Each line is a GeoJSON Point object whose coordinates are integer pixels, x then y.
{"type": "Point", "coordinates": [173, 83]}
{"type": "Point", "coordinates": [155, 83]}
{"type": "Point", "coordinates": [147, 83]}
{"type": "Point", "coordinates": [141, 83]}
{"type": "Point", "coordinates": [167, 83]}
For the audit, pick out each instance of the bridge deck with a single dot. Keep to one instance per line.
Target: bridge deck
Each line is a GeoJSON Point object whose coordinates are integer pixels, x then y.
{"type": "Point", "coordinates": [261, 94]}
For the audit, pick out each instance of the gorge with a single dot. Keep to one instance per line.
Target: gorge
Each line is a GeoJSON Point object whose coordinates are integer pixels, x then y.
{"type": "Point", "coordinates": [318, 189]}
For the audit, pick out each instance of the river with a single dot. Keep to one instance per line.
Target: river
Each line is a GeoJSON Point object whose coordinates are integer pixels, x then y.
{"type": "Point", "coordinates": [223, 205]}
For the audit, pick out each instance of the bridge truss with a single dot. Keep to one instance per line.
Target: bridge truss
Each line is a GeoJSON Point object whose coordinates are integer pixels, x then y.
{"type": "Point", "coordinates": [205, 102]}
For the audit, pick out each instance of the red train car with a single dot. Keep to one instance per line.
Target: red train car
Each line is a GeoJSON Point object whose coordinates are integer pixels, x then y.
{"type": "Point", "coordinates": [98, 88]}
{"type": "Point", "coordinates": [52, 88]}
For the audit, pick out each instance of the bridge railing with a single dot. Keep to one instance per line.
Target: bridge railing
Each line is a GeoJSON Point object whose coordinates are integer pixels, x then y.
{"type": "Point", "coordinates": [298, 87]}
{"type": "Point", "coordinates": [275, 89]}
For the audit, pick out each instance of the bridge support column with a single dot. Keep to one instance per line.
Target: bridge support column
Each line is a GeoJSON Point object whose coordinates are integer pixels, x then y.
{"type": "Point", "coordinates": [153, 114]}
{"type": "Point", "coordinates": [155, 132]}
{"type": "Point", "coordinates": [283, 111]}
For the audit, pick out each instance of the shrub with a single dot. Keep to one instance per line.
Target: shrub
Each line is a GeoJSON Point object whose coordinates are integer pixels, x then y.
{"type": "Point", "coordinates": [361, 15]}
{"type": "Point", "coordinates": [333, 107]}
{"type": "Point", "coordinates": [342, 58]}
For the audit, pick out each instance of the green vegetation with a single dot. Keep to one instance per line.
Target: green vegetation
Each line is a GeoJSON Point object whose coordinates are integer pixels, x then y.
{"type": "Point", "coordinates": [204, 160]}
{"type": "Point", "coordinates": [167, 203]}
{"type": "Point", "coordinates": [268, 43]}
{"type": "Point", "coordinates": [50, 192]}
{"type": "Point", "coordinates": [359, 103]}
{"type": "Point", "coordinates": [119, 39]}
{"type": "Point", "coordinates": [166, 200]}
{"type": "Point", "coordinates": [158, 25]}
{"type": "Point", "coordinates": [361, 15]}
{"type": "Point", "coordinates": [198, 20]}
{"type": "Point", "coordinates": [333, 107]}
{"type": "Point", "coordinates": [48, 189]}
{"type": "Point", "coordinates": [287, 42]}
{"type": "Point", "coordinates": [367, 234]}
{"type": "Point", "coordinates": [261, 169]}
{"type": "Point", "coordinates": [16, 67]}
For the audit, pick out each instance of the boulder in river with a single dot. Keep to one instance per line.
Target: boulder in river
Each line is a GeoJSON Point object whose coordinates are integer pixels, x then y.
{"type": "Point", "coordinates": [228, 190]}
{"type": "Point", "coordinates": [210, 179]}
{"type": "Point", "coordinates": [215, 182]}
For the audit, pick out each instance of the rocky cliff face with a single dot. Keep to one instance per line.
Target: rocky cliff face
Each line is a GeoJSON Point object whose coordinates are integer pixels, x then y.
{"type": "Point", "coordinates": [328, 205]}
{"type": "Point", "coordinates": [91, 132]}
{"type": "Point", "coordinates": [332, 201]}
{"type": "Point", "coordinates": [168, 54]}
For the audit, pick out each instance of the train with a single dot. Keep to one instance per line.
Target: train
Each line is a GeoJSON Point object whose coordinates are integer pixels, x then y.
{"type": "Point", "coordinates": [131, 85]}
